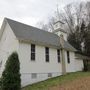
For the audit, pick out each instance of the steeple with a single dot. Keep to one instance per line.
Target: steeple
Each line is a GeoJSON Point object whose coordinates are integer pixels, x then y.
{"type": "Point", "coordinates": [59, 29]}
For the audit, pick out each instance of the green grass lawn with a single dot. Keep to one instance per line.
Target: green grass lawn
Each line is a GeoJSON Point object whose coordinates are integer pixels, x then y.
{"type": "Point", "coordinates": [44, 85]}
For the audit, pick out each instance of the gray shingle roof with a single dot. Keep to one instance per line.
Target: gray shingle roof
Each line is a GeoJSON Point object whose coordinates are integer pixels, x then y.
{"type": "Point", "coordinates": [68, 46]}
{"type": "Point", "coordinates": [26, 32]}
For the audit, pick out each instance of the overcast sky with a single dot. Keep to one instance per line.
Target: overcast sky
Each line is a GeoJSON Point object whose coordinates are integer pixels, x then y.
{"type": "Point", "coordinates": [30, 11]}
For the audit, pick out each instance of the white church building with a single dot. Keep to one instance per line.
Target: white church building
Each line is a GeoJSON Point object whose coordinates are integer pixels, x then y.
{"type": "Point", "coordinates": [42, 54]}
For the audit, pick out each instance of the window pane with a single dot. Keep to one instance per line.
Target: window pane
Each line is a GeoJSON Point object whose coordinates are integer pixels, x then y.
{"type": "Point", "coordinates": [47, 50]}
{"type": "Point", "coordinates": [47, 58]}
{"type": "Point", "coordinates": [58, 55]}
{"type": "Point", "coordinates": [68, 57]}
{"type": "Point", "coordinates": [58, 52]}
{"type": "Point", "coordinates": [32, 48]}
{"type": "Point", "coordinates": [32, 56]}
{"type": "Point", "coordinates": [58, 58]}
{"type": "Point", "coordinates": [32, 52]}
{"type": "Point", "coordinates": [47, 54]}
{"type": "Point", "coordinates": [33, 45]}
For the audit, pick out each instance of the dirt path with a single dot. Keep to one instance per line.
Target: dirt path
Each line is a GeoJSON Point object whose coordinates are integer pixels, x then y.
{"type": "Point", "coordinates": [79, 84]}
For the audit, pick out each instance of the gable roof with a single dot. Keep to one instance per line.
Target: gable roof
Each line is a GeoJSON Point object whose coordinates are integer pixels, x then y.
{"type": "Point", "coordinates": [28, 33]}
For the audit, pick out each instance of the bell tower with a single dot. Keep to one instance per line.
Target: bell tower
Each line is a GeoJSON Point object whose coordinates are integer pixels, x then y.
{"type": "Point", "coordinates": [59, 29]}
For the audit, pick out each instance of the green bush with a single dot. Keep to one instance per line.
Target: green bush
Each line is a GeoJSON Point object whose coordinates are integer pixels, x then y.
{"type": "Point", "coordinates": [11, 75]}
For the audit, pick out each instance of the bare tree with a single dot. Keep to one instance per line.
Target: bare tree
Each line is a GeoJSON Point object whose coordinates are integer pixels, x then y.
{"type": "Point", "coordinates": [71, 15]}
{"type": "Point", "coordinates": [76, 17]}
{"type": "Point", "coordinates": [88, 11]}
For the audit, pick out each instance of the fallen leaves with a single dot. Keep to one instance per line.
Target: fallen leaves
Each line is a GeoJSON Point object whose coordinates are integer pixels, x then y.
{"type": "Point", "coordinates": [78, 84]}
